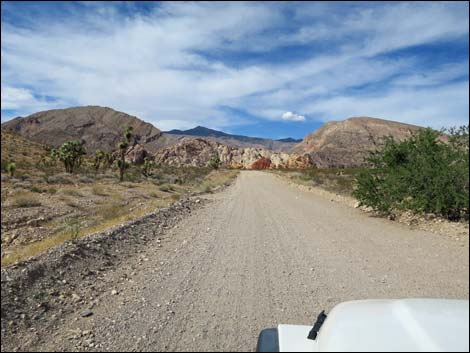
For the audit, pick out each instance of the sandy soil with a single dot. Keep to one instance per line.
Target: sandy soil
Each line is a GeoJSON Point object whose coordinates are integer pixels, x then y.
{"type": "Point", "coordinates": [262, 253]}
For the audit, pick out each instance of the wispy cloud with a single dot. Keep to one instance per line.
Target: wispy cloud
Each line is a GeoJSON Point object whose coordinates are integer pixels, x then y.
{"type": "Point", "coordinates": [177, 64]}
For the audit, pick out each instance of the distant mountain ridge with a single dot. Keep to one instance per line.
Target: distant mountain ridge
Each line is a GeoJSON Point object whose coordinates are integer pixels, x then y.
{"type": "Point", "coordinates": [204, 132]}
{"type": "Point", "coordinates": [281, 145]}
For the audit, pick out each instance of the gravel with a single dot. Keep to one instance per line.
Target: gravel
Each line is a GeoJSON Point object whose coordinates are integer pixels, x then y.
{"type": "Point", "coordinates": [256, 255]}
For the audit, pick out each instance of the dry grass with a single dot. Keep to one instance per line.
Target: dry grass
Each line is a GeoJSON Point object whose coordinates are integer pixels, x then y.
{"type": "Point", "coordinates": [217, 179]}
{"type": "Point", "coordinates": [25, 199]}
{"type": "Point", "coordinates": [71, 192]}
{"type": "Point", "coordinates": [100, 205]}
{"type": "Point", "coordinates": [99, 190]}
{"type": "Point", "coordinates": [340, 181]}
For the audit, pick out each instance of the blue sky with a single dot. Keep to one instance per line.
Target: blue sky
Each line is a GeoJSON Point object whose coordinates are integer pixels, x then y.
{"type": "Point", "coordinates": [260, 69]}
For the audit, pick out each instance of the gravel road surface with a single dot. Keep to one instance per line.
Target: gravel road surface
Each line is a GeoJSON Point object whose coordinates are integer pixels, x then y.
{"type": "Point", "coordinates": [261, 253]}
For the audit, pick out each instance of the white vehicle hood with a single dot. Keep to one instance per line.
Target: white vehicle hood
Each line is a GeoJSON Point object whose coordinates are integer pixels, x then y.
{"type": "Point", "coordinates": [385, 325]}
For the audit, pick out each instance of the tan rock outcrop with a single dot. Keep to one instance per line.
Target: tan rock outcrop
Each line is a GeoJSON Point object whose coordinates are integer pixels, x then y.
{"type": "Point", "coordinates": [198, 152]}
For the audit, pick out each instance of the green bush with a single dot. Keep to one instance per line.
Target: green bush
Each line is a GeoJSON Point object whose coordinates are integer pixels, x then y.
{"type": "Point", "coordinates": [422, 174]}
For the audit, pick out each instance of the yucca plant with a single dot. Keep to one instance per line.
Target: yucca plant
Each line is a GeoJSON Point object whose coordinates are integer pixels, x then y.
{"type": "Point", "coordinates": [123, 145]}
{"type": "Point", "coordinates": [11, 168]}
{"type": "Point", "coordinates": [147, 167]}
{"type": "Point", "coordinates": [70, 153]}
{"type": "Point", "coordinates": [99, 159]}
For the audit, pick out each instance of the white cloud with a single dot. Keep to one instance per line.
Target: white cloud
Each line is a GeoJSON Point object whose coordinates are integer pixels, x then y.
{"type": "Point", "coordinates": [293, 117]}
{"type": "Point", "coordinates": [151, 66]}
{"type": "Point", "coordinates": [425, 106]}
{"type": "Point", "coordinates": [14, 98]}
{"type": "Point", "coordinates": [22, 100]}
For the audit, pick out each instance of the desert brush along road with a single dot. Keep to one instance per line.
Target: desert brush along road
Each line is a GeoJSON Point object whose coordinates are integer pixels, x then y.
{"type": "Point", "coordinates": [262, 253]}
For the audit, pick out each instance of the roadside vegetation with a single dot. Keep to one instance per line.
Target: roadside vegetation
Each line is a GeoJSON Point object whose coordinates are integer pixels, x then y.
{"type": "Point", "coordinates": [51, 196]}
{"type": "Point", "coordinates": [426, 174]}
{"type": "Point", "coordinates": [337, 180]}
{"type": "Point", "coordinates": [423, 174]}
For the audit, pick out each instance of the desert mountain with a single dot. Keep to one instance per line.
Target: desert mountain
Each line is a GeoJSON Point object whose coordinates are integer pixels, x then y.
{"type": "Point", "coordinates": [282, 145]}
{"type": "Point", "coordinates": [346, 143]}
{"type": "Point", "coordinates": [198, 152]}
{"type": "Point", "coordinates": [99, 127]}
{"type": "Point", "coordinates": [335, 144]}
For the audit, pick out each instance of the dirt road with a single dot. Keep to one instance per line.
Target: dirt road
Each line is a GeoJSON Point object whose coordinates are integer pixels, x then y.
{"type": "Point", "coordinates": [262, 253]}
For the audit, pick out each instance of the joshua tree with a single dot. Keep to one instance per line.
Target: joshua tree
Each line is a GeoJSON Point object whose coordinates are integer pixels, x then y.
{"type": "Point", "coordinates": [123, 145]}
{"type": "Point", "coordinates": [147, 167]}
{"type": "Point", "coordinates": [99, 159]}
{"type": "Point", "coordinates": [11, 168]}
{"type": "Point", "coordinates": [70, 153]}
{"type": "Point", "coordinates": [108, 159]}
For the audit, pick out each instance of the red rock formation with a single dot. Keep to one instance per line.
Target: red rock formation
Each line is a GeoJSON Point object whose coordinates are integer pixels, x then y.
{"type": "Point", "coordinates": [262, 163]}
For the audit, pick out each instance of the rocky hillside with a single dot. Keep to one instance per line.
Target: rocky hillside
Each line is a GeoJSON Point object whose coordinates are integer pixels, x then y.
{"type": "Point", "coordinates": [282, 145]}
{"type": "Point", "coordinates": [99, 127]}
{"type": "Point", "coordinates": [198, 152]}
{"type": "Point", "coordinates": [346, 143]}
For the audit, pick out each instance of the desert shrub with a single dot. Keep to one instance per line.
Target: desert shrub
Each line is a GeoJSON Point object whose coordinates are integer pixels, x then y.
{"type": "Point", "coordinates": [11, 169]}
{"type": "Point", "coordinates": [51, 191]}
{"type": "Point", "coordinates": [112, 210]}
{"type": "Point", "coordinates": [61, 178]}
{"type": "Point", "coordinates": [214, 162]}
{"type": "Point", "coordinates": [73, 228]}
{"type": "Point", "coordinates": [23, 200]}
{"type": "Point", "coordinates": [175, 197]}
{"type": "Point", "coordinates": [98, 190]}
{"type": "Point", "coordinates": [36, 189]}
{"type": "Point", "coordinates": [72, 192]}
{"type": "Point", "coordinates": [85, 179]}
{"type": "Point", "coordinates": [22, 185]}
{"type": "Point", "coordinates": [422, 174]}
{"type": "Point", "coordinates": [133, 174]}
{"type": "Point", "coordinates": [4, 165]}
{"type": "Point", "coordinates": [166, 188]}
